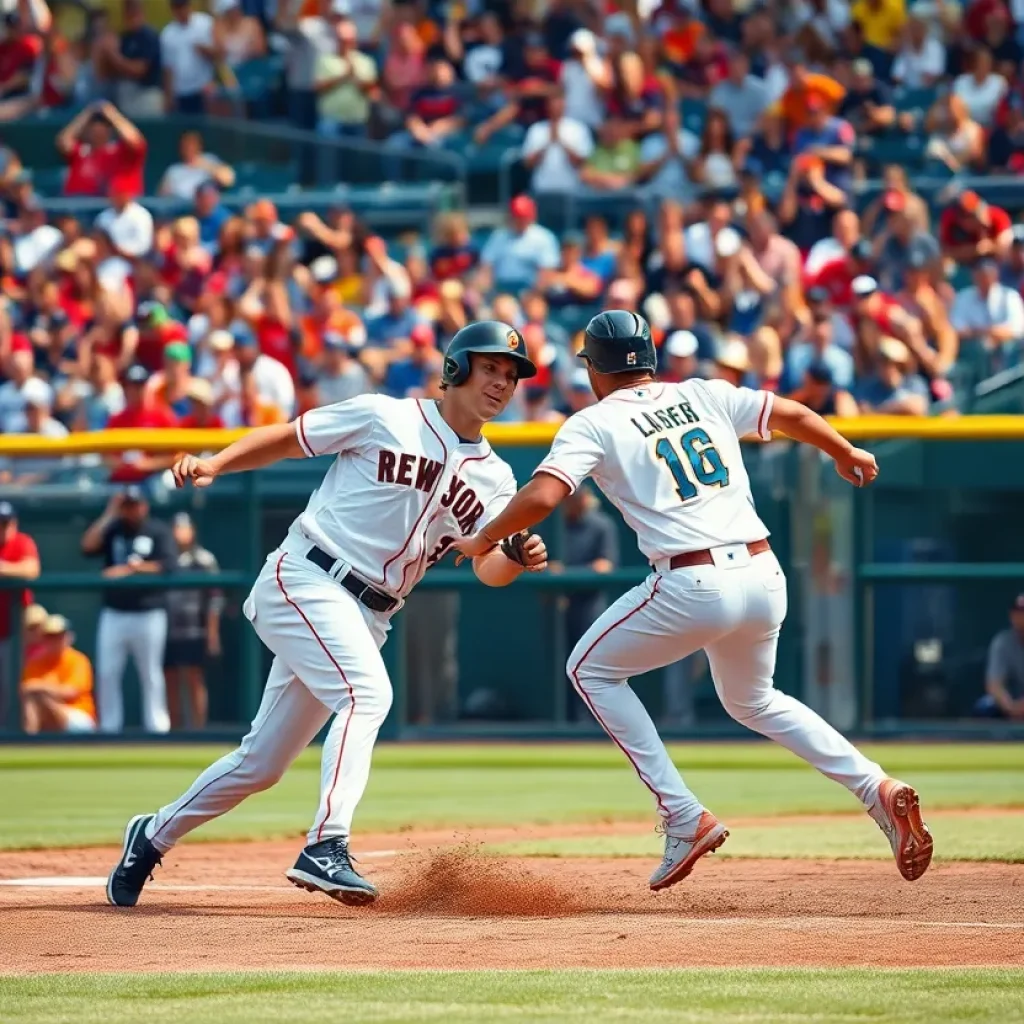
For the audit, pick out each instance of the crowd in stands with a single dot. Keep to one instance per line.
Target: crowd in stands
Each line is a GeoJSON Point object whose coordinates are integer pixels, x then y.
{"type": "Point", "coordinates": [745, 247]}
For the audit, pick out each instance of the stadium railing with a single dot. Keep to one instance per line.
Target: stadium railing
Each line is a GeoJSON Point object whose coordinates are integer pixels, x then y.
{"type": "Point", "coordinates": [943, 518]}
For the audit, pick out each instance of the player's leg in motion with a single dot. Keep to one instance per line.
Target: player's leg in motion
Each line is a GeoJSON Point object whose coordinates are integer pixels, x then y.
{"type": "Point", "coordinates": [640, 632]}
{"type": "Point", "coordinates": [112, 639]}
{"type": "Point", "coordinates": [148, 642]}
{"type": "Point", "coordinates": [743, 666]}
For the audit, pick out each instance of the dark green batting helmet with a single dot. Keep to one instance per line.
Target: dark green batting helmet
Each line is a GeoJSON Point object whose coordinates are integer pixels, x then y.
{"type": "Point", "coordinates": [618, 341]}
{"type": "Point", "coordinates": [487, 337]}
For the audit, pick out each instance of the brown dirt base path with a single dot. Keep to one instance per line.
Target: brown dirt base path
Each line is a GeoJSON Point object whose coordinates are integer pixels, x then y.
{"type": "Point", "coordinates": [444, 905]}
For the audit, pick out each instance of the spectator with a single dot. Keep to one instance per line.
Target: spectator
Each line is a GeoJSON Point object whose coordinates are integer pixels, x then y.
{"type": "Point", "coordinates": [19, 558]}
{"type": "Point", "coordinates": [132, 63]}
{"type": "Point", "coordinates": [818, 348]}
{"type": "Point", "coordinates": [128, 225]}
{"type": "Point", "coordinates": [345, 83]}
{"type": "Point", "coordinates": [433, 114]}
{"type": "Point", "coordinates": [586, 76]}
{"type": "Point", "coordinates": [571, 282]}
{"type": "Point", "coordinates": [989, 314]}
{"type": "Point", "coordinates": [20, 52]}
{"type": "Point", "coordinates": [101, 396]}
{"type": "Point", "coordinates": [212, 215]}
{"type": "Point", "coordinates": [920, 299]}
{"type": "Point", "coordinates": [808, 93]}
{"type": "Point", "coordinates": [35, 417]}
{"type": "Point", "coordinates": [196, 167]}
{"type": "Point", "coordinates": [131, 467]}
{"type": "Point", "coordinates": [716, 163]}
{"type": "Point", "coordinates": [514, 255]}
{"type": "Point", "coordinates": [741, 97]}
{"type": "Point", "coordinates": [308, 38]}
{"type": "Point", "coordinates": [636, 103]}
{"type": "Point", "coordinates": [1004, 670]}
{"type": "Point", "coordinates": [830, 140]}
{"type": "Point", "coordinates": [454, 254]}
{"type": "Point", "coordinates": [708, 65]}
{"type": "Point", "coordinates": [32, 633]}
{"type": "Point", "coordinates": [57, 684]}
{"type": "Point", "coordinates": [819, 392]}
{"type": "Point", "coordinates": [1013, 269]}
{"type": "Point", "coordinates": [666, 158]}
{"type": "Point", "coordinates": [274, 384]}
{"type": "Point", "coordinates": [170, 387]}
{"type": "Point", "coordinates": [98, 164]}
{"type": "Point", "coordinates": [897, 195]}
{"type": "Point", "coordinates": [955, 141]}
{"type": "Point", "coordinates": [341, 375]}
{"type": "Point", "coordinates": [680, 352]}
{"type": "Point", "coordinates": [20, 371]}
{"type": "Point", "coordinates": [201, 414]}
{"type": "Point", "coordinates": [250, 408]}
{"type": "Point", "coordinates": [187, 57]}
{"type": "Point", "coordinates": [590, 541]}
{"type": "Point", "coordinates": [1006, 143]}
{"type": "Point", "coordinates": [133, 619]}
{"type": "Point", "coordinates": [998, 39]}
{"type": "Point", "coordinates": [35, 241]}
{"type": "Point", "coordinates": [614, 162]}
{"type": "Point", "coordinates": [237, 36]}
{"type": "Point", "coordinates": [893, 389]}
{"type": "Point", "coordinates": [407, 377]}
{"type": "Point", "coordinates": [193, 630]}
{"type": "Point", "coordinates": [809, 201]}
{"type": "Point", "coordinates": [969, 227]}
{"type": "Point", "coordinates": [921, 60]}
{"type": "Point", "coordinates": [483, 63]}
{"type": "Point", "coordinates": [867, 106]}
{"type": "Point", "coordinates": [897, 242]}
{"type": "Point", "coordinates": [732, 361]}
{"type": "Point", "coordinates": [982, 89]}
{"type": "Point", "coordinates": [405, 67]}
{"type": "Point", "coordinates": [555, 149]}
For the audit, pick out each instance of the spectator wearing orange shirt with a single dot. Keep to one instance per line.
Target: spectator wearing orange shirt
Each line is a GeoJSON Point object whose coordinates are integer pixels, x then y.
{"type": "Point", "coordinates": [796, 101]}
{"type": "Point", "coordinates": [56, 685]}
{"type": "Point", "coordinates": [250, 409]}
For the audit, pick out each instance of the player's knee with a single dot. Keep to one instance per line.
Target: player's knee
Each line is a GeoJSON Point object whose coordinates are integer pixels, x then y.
{"type": "Point", "coordinates": [263, 776]}
{"type": "Point", "coordinates": [745, 709]}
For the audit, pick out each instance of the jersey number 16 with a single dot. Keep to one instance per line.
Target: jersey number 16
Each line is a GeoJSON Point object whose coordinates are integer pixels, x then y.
{"type": "Point", "coordinates": [705, 463]}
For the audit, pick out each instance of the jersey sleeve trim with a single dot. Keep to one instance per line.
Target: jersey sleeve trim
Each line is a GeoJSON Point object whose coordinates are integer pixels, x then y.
{"type": "Point", "coordinates": [763, 430]}
{"type": "Point", "coordinates": [300, 433]}
{"type": "Point", "coordinates": [559, 474]}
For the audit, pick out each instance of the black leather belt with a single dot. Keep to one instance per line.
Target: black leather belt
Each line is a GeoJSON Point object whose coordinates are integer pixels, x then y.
{"type": "Point", "coordinates": [375, 600]}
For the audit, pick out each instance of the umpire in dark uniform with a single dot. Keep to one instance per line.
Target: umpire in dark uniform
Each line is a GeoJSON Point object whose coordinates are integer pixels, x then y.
{"type": "Point", "coordinates": [133, 620]}
{"type": "Point", "coordinates": [193, 630]}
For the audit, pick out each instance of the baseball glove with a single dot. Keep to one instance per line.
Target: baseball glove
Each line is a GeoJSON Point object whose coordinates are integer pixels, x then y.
{"type": "Point", "coordinates": [512, 547]}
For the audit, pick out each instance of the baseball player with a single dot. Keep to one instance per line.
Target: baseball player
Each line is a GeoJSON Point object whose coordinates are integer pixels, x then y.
{"type": "Point", "coordinates": [668, 457]}
{"type": "Point", "coordinates": [410, 476]}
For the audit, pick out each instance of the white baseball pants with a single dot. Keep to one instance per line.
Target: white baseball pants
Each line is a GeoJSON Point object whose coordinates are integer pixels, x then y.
{"type": "Point", "coordinates": [327, 662]}
{"type": "Point", "coordinates": [733, 610]}
{"type": "Point", "coordinates": [143, 635]}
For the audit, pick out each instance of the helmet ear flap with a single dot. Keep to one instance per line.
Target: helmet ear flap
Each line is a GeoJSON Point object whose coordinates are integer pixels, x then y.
{"type": "Point", "coordinates": [456, 369]}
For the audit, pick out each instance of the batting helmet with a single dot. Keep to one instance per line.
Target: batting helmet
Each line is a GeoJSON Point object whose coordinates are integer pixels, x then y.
{"type": "Point", "coordinates": [618, 341]}
{"type": "Point", "coordinates": [488, 336]}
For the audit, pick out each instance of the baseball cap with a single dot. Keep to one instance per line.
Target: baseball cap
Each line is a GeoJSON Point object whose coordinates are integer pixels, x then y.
{"type": "Point", "coordinates": [864, 286]}
{"type": "Point", "coordinates": [894, 201]}
{"type": "Point", "coordinates": [728, 242]}
{"type": "Point", "coordinates": [969, 201]}
{"type": "Point", "coordinates": [136, 375]}
{"type": "Point", "coordinates": [733, 355]}
{"type": "Point", "coordinates": [862, 250]}
{"type": "Point", "coordinates": [221, 341]}
{"type": "Point", "coordinates": [818, 294]}
{"type": "Point", "coordinates": [422, 335]}
{"type": "Point", "coordinates": [820, 372]}
{"type": "Point", "coordinates": [132, 494]}
{"type": "Point", "coordinates": [35, 615]}
{"type": "Point", "coordinates": [681, 344]}
{"type": "Point", "coordinates": [862, 66]}
{"type": "Point", "coordinates": [178, 352]}
{"type": "Point", "coordinates": [523, 206]}
{"type": "Point", "coordinates": [201, 391]}
{"type": "Point", "coordinates": [7, 511]}
{"type": "Point", "coordinates": [583, 40]}
{"type": "Point", "coordinates": [36, 392]}
{"type": "Point", "coordinates": [242, 333]}
{"type": "Point", "coordinates": [55, 624]}
{"type": "Point", "coordinates": [324, 269]}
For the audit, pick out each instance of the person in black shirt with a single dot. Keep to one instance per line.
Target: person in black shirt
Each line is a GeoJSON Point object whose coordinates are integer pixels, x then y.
{"type": "Point", "coordinates": [193, 629]}
{"type": "Point", "coordinates": [133, 620]}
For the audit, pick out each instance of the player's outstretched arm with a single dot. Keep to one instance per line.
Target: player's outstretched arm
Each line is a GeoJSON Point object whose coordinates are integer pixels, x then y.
{"type": "Point", "coordinates": [854, 465]}
{"type": "Point", "coordinates": [260, 447]}
{"type": "Point", "coordinates": [534, 503]}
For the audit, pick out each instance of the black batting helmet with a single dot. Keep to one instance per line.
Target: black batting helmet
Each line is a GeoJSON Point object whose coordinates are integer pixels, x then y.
{"type": "Point", "coordinates": [618, 341]}
{"type": "Point", "coordinates": [488, 336]}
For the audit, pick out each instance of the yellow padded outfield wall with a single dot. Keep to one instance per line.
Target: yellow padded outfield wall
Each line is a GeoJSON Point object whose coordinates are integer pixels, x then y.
{"type": "Point", "coordinates": [865, 428]}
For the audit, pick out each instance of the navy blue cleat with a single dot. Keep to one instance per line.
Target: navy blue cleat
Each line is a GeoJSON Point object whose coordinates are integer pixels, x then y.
{"type": "Point", "coordinates": [327, 867]}
{"type": "Point", "coordinates": [138, 858]}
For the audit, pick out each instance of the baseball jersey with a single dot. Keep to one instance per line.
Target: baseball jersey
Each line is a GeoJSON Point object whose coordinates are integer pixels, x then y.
{"type": "Point", "coordinates": [668, 457]}
{"type": "Point", "coordinates": [403, 487]}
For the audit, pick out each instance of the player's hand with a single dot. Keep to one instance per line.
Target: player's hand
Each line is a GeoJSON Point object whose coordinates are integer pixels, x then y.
{"type": "Point", "coordinates": [535, 553]}
{"type": "Point", "coordinates": [473, 547]}
{"type": "Point", "coordinates": [201, 472]}
{"type": "Point", "coordinates": [857, 467]}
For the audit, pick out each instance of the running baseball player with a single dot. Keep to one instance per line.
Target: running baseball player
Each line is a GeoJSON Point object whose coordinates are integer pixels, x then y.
{"type": "Point", "coordinates": [409, 478]}
{"type": "Point", "coordinates": [668, 457]}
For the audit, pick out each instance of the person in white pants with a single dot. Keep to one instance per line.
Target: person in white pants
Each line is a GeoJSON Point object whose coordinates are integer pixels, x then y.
{"type": "Point", "coordinates": [668, 457]}
{"type": "Point", "coordinates": [409, 477]}
{"type": "Point", "coordinates": [133, 620]}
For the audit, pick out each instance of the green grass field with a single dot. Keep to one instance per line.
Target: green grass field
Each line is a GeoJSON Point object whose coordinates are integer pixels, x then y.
{"type": "Point", "coordinates": [64, 796]}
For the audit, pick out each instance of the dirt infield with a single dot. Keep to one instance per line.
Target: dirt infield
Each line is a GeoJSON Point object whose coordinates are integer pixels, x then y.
{"type": "Point", "coordinates": [444, 905]}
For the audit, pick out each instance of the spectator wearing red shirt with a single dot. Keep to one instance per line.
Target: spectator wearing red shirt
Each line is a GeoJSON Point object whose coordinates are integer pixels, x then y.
{"type": "Point", "coordinates": [19, 52]}
{"type": "Point", "coordinates": [201, 415]}
{"type": "Point", "coordinates": [139, 414]}
{"type": "Point", "coordinates": [157, 330]}
{"type": "Point", "coordinates": [99, 164]}
{"type": "Point", "coordinates": [19, 558]}
{"type": "Point", "coordinates": [969, 228]}
{"type": "Point", "coordinates": [434, 114]}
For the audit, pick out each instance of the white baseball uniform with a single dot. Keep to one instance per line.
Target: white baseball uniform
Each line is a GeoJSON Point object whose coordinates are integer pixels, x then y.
{"type": "Point", "coordinates": [668, 457]}
{"type": "Point", "coordinates": [402, 488]}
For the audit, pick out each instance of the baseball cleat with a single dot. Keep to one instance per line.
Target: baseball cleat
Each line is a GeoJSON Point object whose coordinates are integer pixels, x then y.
{"type": "Point", "coordinates": [897, 811]}
{"type": "Point", "coordinates": [683, 852]}
{"type": "Point", "coordinates": [138, 858]}
{"type": "Point", "coordinates": [327, 867]}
